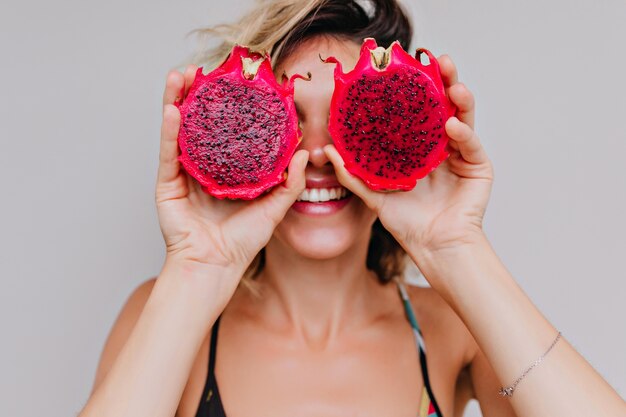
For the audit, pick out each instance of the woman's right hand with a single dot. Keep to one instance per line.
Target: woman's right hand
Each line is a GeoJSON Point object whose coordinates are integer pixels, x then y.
{"type": "Point", "coordinates": [199, 230]}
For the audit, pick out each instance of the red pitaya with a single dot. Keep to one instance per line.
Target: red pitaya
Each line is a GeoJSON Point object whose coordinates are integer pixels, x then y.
{"type": "Point", "coordinates": [387, 116]}
{"type": "Point", "coordinates": [238, 128]}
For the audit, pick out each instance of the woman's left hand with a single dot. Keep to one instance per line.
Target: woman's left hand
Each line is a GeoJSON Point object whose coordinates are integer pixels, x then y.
{"type": "Point", "coordinates": [446, 208]}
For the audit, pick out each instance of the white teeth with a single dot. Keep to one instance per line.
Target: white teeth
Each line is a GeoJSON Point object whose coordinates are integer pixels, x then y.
{"type": "Point", "coordinates": [315, 195]}
{"type": "Point", "coordinates": [324, 194]}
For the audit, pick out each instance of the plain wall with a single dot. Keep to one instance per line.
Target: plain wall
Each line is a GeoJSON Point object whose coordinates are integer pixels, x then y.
{"type": "Point", "coordinates": [81, 86]}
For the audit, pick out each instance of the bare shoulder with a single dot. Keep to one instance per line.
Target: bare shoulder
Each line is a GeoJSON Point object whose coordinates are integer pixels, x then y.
{"type": "Point", "coordinates": [123, 326]}
{"type": "Point", "coordinates": [439, 321]}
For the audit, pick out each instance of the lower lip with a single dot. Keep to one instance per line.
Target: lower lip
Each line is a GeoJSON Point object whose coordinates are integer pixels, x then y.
{"type": "Point", "coordinates": [327, 207]}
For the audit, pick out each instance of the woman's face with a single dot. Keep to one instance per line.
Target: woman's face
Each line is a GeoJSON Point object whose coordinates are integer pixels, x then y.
{"type": "Point", "coordinates": [321, 229]}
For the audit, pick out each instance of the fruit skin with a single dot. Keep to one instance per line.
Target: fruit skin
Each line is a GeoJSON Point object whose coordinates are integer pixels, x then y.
{"type": "Point", "coordinates": [387, 117]}
{"type": "Point", "coordinates": [238, 127]}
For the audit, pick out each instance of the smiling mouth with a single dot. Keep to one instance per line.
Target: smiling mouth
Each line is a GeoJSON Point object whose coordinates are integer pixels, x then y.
{"type": "Point", "coordinates": [321, 195]}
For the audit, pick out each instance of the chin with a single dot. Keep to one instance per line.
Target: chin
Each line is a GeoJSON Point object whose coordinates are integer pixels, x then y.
{"type": "Point", "coordinates": [322, 237]}
{"type": "Point", "coordinates": [318, 243]}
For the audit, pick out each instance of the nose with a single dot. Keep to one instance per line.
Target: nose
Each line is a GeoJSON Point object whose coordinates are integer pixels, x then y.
{"type": "Point", "coordinates": [315, 136]}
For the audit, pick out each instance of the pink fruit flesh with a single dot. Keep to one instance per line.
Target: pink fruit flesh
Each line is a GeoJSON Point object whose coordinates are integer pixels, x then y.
{"type": "Point", "coordinates": [239, 127]}
{"type": "Point", "coordinates": [387, 117]}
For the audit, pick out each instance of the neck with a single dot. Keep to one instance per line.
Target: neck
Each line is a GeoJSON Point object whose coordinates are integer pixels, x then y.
{"type": "Point", "coordinates": [318, 298]}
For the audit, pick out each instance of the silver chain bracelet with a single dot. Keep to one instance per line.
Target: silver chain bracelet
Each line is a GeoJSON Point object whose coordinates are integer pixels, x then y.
{"type": "Point", "coordinates": [508, 391]}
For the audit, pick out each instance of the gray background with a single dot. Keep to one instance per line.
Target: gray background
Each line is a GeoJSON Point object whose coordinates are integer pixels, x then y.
{"type": "Point", "coordinates": [81, 86]}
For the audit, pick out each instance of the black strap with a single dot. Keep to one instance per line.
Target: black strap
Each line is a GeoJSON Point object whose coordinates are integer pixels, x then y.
{"type": "Point", "coordinates": [427, 383]}
{"type": "Point", "coordinates": [210, 402]}
{"type": "Point", "coordinates": [216, 325]}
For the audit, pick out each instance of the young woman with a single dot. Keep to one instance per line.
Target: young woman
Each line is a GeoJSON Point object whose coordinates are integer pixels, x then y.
{"type": "Point", "coordinates": [325, 325]}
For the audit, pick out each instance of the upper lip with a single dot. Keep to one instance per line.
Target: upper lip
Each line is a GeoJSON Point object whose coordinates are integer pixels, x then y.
{"type": "Point", "coordinates": [327, 182]}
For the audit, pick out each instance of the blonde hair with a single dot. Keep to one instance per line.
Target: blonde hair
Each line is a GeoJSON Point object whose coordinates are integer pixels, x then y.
{"type": "Point", "coordinates": [278, 27]}
{"type": "Point", "coordinates": [261, 29]}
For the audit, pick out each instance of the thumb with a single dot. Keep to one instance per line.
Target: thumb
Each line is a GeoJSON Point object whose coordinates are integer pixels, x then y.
{"type": "Point", "coordinates": [275, 205]}
{"type": "Point", "coordinates": [371, 198]}
{"type": "Point", "coordinates": [252, 227]}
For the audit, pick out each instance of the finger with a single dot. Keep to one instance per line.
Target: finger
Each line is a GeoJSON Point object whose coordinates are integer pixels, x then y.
{"type": "Point", "coordinates": [190, 76]}
{"type": "Point", "coordinates": [463, 99]}
{"type": "Point", "coordinates": [453, 145]}
{"type": "Point", "coordinates": [448, 70]}
{"type": "Point", "coordinates": [174, 84]}
{"type": "Point", "coordinates": [168, 153]}
{"type": "Point", "coordinates": [197, 196]}
{"type": "Point", "coordinates": [262, 216]}
{"type": "Point", "coordinates": [371, 198]}
{"type": "Point", "coordinates": [279, 200]}
{"type": "Point", "coordinates": [468, 143]}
